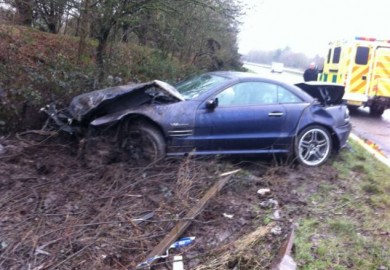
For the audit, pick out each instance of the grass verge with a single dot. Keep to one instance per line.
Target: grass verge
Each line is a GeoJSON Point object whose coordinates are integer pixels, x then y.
{"type": "Point", "coordinates": [348, 224]}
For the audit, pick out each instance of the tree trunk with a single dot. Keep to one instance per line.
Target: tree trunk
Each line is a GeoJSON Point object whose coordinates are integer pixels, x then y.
{"type": "Point", "coordinates": [52, 27]}
{"type": "Point", "coordinates": [125, 29]}
{"type": "Point", "coordinates": [24, 15]}
{"type": "Point", "coordinates": [84, 30]}
{"type": "Point", "coordinates": [100, 51]}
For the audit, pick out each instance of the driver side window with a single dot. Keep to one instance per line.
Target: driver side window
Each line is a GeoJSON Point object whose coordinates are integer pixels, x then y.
{"type": "Point", "coordinates": [249, 93]}
{"type": "Point", "coordinates": [226, 97]}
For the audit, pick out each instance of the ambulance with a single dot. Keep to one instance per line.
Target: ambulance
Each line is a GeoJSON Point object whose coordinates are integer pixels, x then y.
{"type": "Point", "coordinates": [363, 66]}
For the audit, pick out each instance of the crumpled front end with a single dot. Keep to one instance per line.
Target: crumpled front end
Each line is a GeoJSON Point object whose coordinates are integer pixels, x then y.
{"type": "Point", "coordinates": [84, 108]}
{"type": "Point", "coordinates": [88, 106]}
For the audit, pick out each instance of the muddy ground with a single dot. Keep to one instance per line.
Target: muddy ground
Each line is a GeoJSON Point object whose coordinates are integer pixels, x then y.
{"type": "Point", "coordinates": [66, 208]}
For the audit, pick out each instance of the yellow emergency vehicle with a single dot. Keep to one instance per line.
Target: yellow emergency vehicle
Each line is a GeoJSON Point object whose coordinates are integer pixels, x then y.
{"type": "Point", "coordinates": [363, 66]}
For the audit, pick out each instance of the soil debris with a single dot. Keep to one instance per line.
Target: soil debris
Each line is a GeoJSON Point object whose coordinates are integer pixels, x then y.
{"type": "Point", "coordinates": [62, 211]}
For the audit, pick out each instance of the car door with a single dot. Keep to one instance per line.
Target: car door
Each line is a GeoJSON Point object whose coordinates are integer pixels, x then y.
{"type": "Point", "coordinates": [247, 118]}
{"type": "Point", "coordinates": [294, 107]}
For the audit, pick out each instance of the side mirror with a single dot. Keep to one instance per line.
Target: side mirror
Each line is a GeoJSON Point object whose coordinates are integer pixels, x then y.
{"type": "Point", "coordinates": [211, 104]}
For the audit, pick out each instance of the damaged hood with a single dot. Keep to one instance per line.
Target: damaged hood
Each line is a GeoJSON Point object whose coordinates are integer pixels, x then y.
{"type": "Point", "coordinates": [114, 99]}
{"type": "Point", "coordinates": [325, 93]}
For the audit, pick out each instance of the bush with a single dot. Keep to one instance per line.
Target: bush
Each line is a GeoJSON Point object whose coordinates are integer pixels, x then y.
{"type": "Point", "coordinates": [39, 68]}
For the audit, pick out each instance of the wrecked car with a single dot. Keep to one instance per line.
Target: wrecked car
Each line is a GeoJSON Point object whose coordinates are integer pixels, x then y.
{"type": "Point", "coordinates": [216, 113]}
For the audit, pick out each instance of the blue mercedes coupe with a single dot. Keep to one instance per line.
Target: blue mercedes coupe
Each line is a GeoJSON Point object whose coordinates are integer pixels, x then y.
{"type": "Point", "coordinates": [217, 113]}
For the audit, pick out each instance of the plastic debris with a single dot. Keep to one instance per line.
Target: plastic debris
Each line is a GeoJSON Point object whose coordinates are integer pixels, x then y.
{"type": "Point", "coordinates": [276, 215]}
{"type": "Point", "coordinates": [263, 191]}
{"type": "Point", "coordinates": [2, 150]}
{"type": "Point", "coordinates": [287, 263]}
{"type": "Point", "coordinates": [178, 263]}
{"type": "Point", "coordinates": [276, 230]}
{"type": "Point", "coordinates": [228, 216]}
{"type": "Point", "coordinates": [143, 218]}
{"type": "Point", "coordinates": [270, 203]}
{"type": "Point", "coordinates": [165, 190]}
{"type": "Point", "coordinates": [3, 245]}
{"type": "Point", "coordinates": [183, 242]}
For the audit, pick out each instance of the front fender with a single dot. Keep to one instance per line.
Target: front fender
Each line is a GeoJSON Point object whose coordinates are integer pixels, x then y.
{"type": "Point", "coordinates": [115, 117]}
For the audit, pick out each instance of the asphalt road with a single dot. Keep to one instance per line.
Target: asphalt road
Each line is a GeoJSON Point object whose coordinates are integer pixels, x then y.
{"type": "Point", "coordinates": [374, 129]}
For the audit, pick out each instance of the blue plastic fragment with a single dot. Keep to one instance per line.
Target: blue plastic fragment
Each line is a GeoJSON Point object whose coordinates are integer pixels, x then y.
{"type": "Point", "coordinates": [183, 242]}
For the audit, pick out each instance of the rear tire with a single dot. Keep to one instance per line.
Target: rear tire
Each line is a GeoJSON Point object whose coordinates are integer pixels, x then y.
{"type": "Point", "coordinates": [313, 146]}
{"type": "Point", "coordinates": [144, 143]}
{"type": "Point", "coordinates": [377, 111]}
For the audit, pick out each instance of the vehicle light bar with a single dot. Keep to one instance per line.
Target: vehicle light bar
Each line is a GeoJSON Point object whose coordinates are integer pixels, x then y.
{"type": "Point", "coordinates": [365, 38]}
{"type": "Point", "coordinates": [372, 39]}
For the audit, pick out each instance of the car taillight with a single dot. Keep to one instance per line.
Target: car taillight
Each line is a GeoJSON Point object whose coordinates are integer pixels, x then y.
{"type": "Point", "coordinates": [346, 115]}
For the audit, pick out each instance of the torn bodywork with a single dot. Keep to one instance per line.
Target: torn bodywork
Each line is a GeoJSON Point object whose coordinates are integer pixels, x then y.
{"type": "Point", "coordinates": [87, 107]}
{"type": "Point", "coordinates": [326, 93]}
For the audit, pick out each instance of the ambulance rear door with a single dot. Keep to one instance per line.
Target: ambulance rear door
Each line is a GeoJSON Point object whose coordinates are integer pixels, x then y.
{"type": "Point", "coordinates": [357, 77]}
{"type": "Point", "coordinates": [380, 79]}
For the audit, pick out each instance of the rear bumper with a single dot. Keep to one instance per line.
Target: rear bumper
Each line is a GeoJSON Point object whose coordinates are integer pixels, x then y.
{"type": "Point", "coordinates": [342, 133]}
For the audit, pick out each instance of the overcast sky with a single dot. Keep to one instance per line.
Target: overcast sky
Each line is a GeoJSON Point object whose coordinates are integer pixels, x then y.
{"type": "Point", "coordinates": [309, 25]}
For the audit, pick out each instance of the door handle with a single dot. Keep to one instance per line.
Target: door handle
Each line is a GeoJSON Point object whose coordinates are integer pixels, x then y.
{"type": "Point", "coordinates": [275, 114]}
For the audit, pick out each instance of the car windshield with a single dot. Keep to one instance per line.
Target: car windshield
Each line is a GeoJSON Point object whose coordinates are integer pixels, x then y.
{"type": "Point", "coordinates": [198, 85]}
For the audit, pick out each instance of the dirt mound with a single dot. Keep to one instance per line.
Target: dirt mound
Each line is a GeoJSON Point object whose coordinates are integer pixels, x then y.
{"type": "Point", "coordinates": [61, 210]}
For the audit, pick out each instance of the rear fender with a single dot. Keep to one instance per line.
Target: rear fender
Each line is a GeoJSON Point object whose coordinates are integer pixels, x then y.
{"type": "Point", "coordinates": [323, 117]}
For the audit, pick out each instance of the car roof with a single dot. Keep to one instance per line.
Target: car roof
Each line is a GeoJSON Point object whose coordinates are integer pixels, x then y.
{"type": "Point", "coordinates": [237, 75]}
{"type": "Point", "coordinates": [242, 76]}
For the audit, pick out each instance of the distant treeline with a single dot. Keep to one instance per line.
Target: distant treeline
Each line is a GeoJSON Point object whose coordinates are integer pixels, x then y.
{"type": "Point", "coordinates": [286, 56]}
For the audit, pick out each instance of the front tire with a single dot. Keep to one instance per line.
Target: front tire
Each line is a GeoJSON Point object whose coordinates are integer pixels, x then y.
{"type": "Point", "coordinates": [313, 146]}
{"type": "Point", "coordinates": [144, 143]}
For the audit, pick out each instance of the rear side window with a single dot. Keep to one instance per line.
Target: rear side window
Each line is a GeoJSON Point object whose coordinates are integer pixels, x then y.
{"type": "Point", "coordinates": [362, 55]}
{"type": "Point", "coordinates": [336, 55]}
{"type": "Point", "coordinates": [329, 54]}
{"type": "Point", "coordinates": [285, 96]}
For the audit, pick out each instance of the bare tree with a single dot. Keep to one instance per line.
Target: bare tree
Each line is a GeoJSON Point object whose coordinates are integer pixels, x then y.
{"type": "Point", "coordinates": [109, 13]}
{"type": "Point", "coordinates": [84, 30]}
{"type": "Point", "coordinates": [50, 13]}
{"type": "Point", "coordinates": [24, 11]}
{"type": "Point", "coordinates": [197, 32]}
